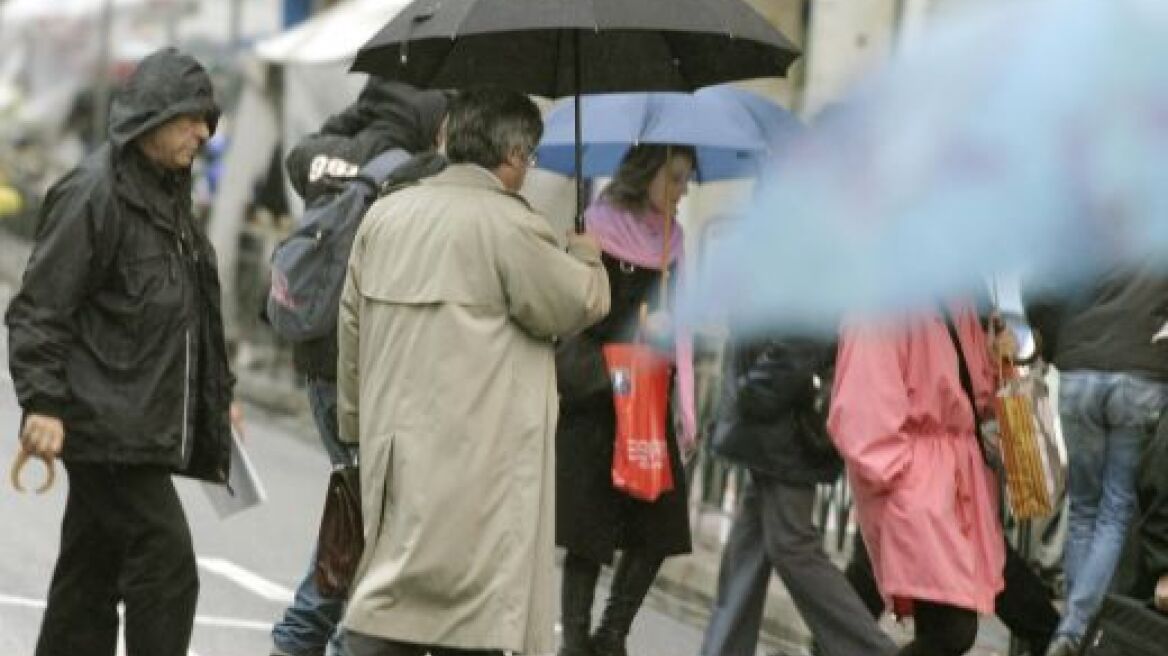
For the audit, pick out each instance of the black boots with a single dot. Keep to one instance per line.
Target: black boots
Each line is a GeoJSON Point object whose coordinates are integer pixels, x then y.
{"type": "Point", "coordinates": [634, 574]}
{"type": "Point", "coordinates": [576, 594]}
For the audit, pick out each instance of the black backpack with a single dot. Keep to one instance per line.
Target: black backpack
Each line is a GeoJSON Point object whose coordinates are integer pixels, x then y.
{"type": "Point", "coordinates": [309, 267]}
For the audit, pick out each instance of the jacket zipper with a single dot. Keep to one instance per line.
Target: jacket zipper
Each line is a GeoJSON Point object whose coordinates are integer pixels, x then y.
{"type": "Point", "coordinates": [186, 396]}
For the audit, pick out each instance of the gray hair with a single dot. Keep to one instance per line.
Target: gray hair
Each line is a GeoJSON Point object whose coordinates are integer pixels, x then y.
{"type": "Point", "coordinates": [487, 124]}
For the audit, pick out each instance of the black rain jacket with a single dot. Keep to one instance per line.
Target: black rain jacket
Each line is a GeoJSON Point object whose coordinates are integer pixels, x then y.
{"type": "Point", "coordinates": [1107, 324]}
{"type": "Point", "coordinates": [117, 328]}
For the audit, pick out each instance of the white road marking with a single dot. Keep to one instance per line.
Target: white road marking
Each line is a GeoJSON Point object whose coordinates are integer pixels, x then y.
{"type": "Point", "coordinates": [229, 623]}
{"type": "Point", "coordinates": [9, 600]}
{"type": "Point", "coordinates": [247, 579]}
{"type": "Point", "coordinates": [200, 620]}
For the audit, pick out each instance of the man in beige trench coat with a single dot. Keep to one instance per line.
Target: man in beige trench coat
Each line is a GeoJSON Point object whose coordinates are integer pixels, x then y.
{"type": "Point", "coordinates": [455, 290]}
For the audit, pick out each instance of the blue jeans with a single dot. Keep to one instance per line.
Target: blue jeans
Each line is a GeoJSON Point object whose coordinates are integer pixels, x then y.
{"type": "Point", "coordinates": [311, 622]}
{"type": "Point", "coordinates": [1106, 419]}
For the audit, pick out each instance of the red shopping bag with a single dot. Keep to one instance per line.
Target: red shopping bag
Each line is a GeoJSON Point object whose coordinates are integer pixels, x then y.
{"type": "Point", "coordinates": [640, 386]}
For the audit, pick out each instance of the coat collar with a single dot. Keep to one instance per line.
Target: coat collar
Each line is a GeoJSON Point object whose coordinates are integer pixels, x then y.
{"type": "Point", "coordinates": [150, 188]}
{"type": "Point", "coordinates": [473, 176]}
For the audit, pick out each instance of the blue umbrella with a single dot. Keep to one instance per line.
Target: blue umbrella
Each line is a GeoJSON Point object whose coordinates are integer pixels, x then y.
{"type": "Point", "coordinates": [733, 130]}
{"type": "Point", "coordinates": [1024, 136]}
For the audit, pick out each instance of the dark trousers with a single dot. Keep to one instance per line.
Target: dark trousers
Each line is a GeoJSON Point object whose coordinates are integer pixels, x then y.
{"type": "Point", "coordinates": [1024, 605]}
{"type": "Point", "coordinates": [773, 531]}
{"type": "Point", "coordinates": [359, 644]}
{"type": "Point", "coordinates": [941, 630]}
{"type": "Point", "coordinates": [124, 538]}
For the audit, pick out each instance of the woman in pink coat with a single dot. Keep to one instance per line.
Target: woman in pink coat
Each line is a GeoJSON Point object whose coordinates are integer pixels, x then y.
{"type": "Point", "coordinates": [926, 501]}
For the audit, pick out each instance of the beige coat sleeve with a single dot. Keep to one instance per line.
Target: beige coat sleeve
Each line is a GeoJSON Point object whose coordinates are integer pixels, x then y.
{"type": "Point", "coordinates": [550, 292]}
{"type": "Point", "coordinates": [349, 347]}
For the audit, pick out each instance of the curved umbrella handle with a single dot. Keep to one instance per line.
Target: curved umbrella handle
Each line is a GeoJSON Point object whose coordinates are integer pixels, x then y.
{"type": "Point", "coordinates": [18, 464]}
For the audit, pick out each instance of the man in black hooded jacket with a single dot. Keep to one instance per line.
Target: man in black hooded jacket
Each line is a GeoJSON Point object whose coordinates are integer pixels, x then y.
{"type": "Point", "coordinates": [117, 353]}
{"type": "Point", "coordinates": [387, 115]}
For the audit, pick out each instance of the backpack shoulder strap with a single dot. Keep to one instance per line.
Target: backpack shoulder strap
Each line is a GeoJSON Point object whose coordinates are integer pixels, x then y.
{"type": "Point", "coordinates": [965, 378]}
{"type": "Point", "coordinates": [379, 168]}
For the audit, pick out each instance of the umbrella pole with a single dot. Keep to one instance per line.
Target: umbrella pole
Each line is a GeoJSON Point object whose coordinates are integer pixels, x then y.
{"type": "Point", "coordinates": [666, 255]}
{"type": "Point", "coordinates": [579, 149]}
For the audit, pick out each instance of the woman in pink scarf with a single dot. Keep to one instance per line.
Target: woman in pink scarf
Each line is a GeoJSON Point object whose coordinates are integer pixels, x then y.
{"type": "Point", "coordinates": [631, 222]}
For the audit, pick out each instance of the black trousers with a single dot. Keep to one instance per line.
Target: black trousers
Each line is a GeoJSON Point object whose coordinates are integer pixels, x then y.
{"type": "Point", "coordinates": [941, 630]}
{"type": "Point", "coordinates": [124, 538]}
{"type": "Point", "coordinates": [359, 644]}
{"type": "Point", "coordinates": [1024, 605]}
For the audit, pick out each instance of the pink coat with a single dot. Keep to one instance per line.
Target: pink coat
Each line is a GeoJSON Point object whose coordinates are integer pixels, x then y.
{"type": "Point", "coordinates": [926, 502]}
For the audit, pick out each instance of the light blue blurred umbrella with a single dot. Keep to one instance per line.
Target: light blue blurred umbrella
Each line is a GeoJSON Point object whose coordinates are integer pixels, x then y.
{"type": "Point", "coordinates": [1023, 136]}
{"type": "Point", "coordinates": [733, 130]}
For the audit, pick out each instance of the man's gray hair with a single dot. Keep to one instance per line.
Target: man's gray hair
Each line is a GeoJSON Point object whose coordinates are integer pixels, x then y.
{"type": "Point", "coordinates": [486, 125]}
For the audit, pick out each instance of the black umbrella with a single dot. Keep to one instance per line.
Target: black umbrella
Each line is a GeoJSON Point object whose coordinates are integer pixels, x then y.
{"type": "Point", "coordinates": [557, 48]}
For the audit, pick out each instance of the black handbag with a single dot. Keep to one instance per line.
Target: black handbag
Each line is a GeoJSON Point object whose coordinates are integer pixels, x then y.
{"type": "Point", "coordinates": [581, 373]}
{"type": "Point", "coordinates": [341, 539]}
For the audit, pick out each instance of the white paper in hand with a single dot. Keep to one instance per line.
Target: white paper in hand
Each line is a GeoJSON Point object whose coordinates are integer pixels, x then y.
{"type": "Point", "coordinates": [243, 490]}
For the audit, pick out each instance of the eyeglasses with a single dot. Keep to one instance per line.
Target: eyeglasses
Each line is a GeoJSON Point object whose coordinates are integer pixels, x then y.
{"type": "Point", "coordinates": [528, 158]}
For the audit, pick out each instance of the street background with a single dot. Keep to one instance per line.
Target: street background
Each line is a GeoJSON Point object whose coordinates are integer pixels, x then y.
{"type": "Point", "coordinates": [250, 564]}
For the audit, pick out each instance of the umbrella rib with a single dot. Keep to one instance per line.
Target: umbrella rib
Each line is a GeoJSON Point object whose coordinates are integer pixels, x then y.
{"type": "Point", "coordinates": [674, 59]}
{"type": "Point", "coordinates": [725, 22]}
{"type": "Point", "coordinates": [470, 6]}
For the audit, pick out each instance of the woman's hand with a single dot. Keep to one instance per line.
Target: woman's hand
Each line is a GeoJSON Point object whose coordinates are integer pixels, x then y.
{"type": "Point", "coordinates": [657, 326]}
{"type": "Point", "coordinates": [1162, 594]}
{"type": "Point", "coordinates": [1003, 344]}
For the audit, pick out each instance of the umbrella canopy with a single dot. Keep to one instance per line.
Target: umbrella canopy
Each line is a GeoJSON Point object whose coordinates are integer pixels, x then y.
{"type": "Point", "coordinates": [556, 48]}
{"type": "Point", "coordinates": [560, 47]}
{"type": "Point", "coordinates": [734, 131]}
{"type": "Point", "coordinates": [1051, 156]}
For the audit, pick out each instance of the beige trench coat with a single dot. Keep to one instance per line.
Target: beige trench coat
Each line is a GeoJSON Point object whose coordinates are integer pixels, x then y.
{"type": "Point", "coordinates": [455, 289]}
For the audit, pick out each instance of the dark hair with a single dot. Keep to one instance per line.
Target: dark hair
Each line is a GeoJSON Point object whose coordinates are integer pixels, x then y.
{"type": "Point", "coordinates": [629, 188]}
{"type": "Point", "coordinates": [485, 124]}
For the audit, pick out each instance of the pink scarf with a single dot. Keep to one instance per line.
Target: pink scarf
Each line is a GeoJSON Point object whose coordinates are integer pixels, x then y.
{"type": "Point", "coordinates": [639, 239]}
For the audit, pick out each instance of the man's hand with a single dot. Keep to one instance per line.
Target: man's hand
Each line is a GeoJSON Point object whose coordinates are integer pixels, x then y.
{"type": "Point", "coordinates": [236, 414]}
{"type": "Point", "coordinates": [43, 436]}
{"type": "Point", "coordinates": [658, 326]}
{"type": "Point", "coordinates": [1161, 596]}
{"type": "Point", "coordinates": [583, 245]}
